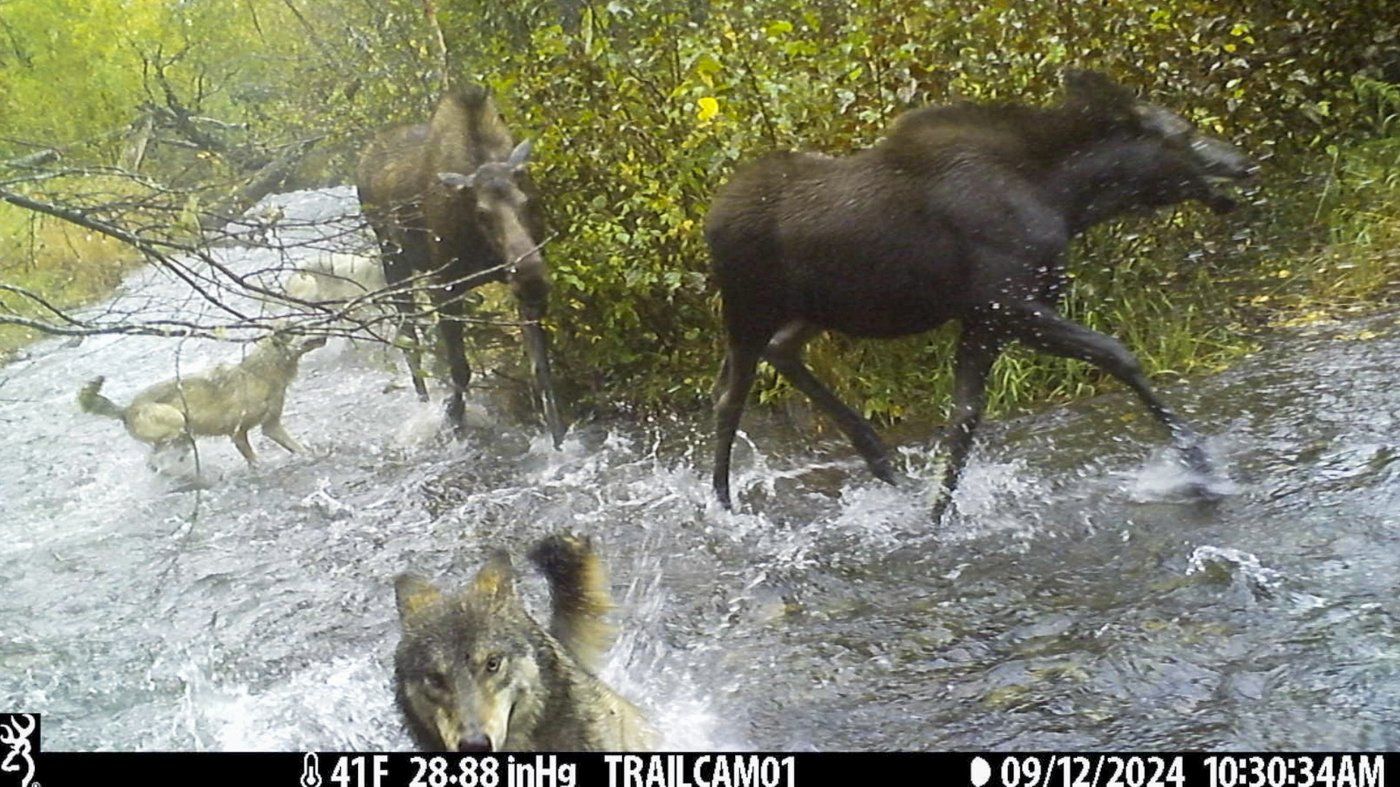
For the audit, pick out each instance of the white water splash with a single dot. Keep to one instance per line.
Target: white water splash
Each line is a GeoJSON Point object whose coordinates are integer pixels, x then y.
{"type": "Point", "coordinates": [1243, 568]}
{"type": "Point", "coordinates": [1165, 478]}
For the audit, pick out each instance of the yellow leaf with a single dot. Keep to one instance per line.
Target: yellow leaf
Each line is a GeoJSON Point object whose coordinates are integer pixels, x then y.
{"type": "Point", "coordinates": [708, 108]}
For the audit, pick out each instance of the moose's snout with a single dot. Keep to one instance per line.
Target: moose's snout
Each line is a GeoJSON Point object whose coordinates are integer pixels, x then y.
{"type": "Point", "coordinates": [1220, 159]}
{"type": "Point", "coordinates": [530, 283]}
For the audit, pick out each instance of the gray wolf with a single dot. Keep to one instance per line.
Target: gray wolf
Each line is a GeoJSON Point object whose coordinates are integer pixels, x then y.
{"type": "Point", "coordinates": [474, 672]}
{"type": "Point", "coordinates": [961, 213]}
{"type": "Point", "coordinates": [335, 276]}
{"type": "Point", "coordinates": [451, 198]}
{"type": "Point", "coordinates": [227, 400]}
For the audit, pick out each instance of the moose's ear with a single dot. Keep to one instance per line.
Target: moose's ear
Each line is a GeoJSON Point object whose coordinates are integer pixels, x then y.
{"type": "Point", "coordinates": [495, 582]}
{"type": "Point", "coordinates": [414, 594]}
{"type": "Point", "coordinates": [1094, 89]}
{"type": "Point", "coordinates": [1161, 121]}
{"type": "Point", "coordinates": [456, 181]}
{"type": "Point", "coordinates": [520, 155]}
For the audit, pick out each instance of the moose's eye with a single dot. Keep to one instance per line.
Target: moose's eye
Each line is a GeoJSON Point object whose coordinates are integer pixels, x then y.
{"type": "Point", "coordinates": [493, 665]}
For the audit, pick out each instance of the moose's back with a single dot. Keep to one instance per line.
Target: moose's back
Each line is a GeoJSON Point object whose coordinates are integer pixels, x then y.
{"type": "Point", "coordinates": [389, 176]}
{"type": "Point", "coordinates": [867, 244]}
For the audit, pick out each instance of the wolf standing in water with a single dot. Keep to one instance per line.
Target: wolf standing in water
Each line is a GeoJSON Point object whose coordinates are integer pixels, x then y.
{"type": "Point", "coordinates": [475, 673]}
{"type": "Point", "coordinates": [229, 400]}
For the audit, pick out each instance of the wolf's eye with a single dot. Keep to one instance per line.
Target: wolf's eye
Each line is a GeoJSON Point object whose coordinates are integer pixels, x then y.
{"type": "Point", "coordinates": [493, 664]}
{"type": "Point", "coordinates": [436, 682]}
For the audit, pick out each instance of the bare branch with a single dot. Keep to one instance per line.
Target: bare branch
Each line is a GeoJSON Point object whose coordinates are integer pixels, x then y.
{"type": "Point", "coordinates": [37, 159]}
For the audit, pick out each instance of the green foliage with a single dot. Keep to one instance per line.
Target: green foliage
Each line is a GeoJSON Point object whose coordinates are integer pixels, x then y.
{"type": "Point", "coordinates": [78, 75]}
{"type": "Point", "coordinates": [643, 108]}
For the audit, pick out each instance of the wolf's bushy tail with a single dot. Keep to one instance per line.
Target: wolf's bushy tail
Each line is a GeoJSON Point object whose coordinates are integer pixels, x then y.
{"type": "Point", "coordinates": [581, 596]}
{"type": "Point", "coordinates": [94, 402]}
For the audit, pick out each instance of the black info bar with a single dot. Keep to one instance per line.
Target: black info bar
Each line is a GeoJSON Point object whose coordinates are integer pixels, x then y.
{"type": "Point", "coordinates": [31, 768]}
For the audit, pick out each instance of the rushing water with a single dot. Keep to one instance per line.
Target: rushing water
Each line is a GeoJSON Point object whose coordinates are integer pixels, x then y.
{"type": "Point", "coordinates": [1074, 603]}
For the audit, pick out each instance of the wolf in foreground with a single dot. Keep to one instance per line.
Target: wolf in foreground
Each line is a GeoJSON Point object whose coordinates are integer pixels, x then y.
{"type": "Point", "coordinates": [228, 400]}
{"type": "Point", "coordinates": [475, 673]}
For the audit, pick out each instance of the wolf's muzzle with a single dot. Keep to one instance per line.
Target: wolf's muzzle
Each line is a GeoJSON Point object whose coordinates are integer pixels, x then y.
{"type": "Point", "coordinates": [478, 744]}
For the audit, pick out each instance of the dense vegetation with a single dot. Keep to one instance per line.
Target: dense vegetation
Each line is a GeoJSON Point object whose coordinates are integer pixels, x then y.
{"type": "Point", "coordinates": [640, 108]}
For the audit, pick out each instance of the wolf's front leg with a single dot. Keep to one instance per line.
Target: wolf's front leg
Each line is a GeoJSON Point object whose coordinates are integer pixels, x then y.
{"type": "Point", "coordinates": [279, 436]}
{"type": "Point", "coordinates": [240, 439]}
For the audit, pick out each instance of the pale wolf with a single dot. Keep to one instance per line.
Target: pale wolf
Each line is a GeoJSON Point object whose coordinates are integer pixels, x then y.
{"type": "Point", "coordinates": [336, 276]}
{"type": "Point", "coordinates": [474, 672]}
{"type": "Point", "coordinates": [228, 400]}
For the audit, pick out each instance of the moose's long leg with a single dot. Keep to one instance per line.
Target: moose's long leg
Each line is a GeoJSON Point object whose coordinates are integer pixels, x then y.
{"type": "Point", "coordinates": [451, 308]}
{"type": "Point", "coordinates": [785, 353]}
{"type": "Point", "coordinates": [721, 380]}
{"type": "Point", "coordinates": [537, 349]}
{"type": "Point", "coordinates": [741, 363]}
{"type": "Point", "coordinates": [398, 268]}
{"type": "Point", "coordinates": [977, 351]}
{"type": "Point", "coordinates": [1040, 327]}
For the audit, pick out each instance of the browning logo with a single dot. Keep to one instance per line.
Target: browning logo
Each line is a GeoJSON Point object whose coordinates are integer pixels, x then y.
{"type": "Point", "coordinates": [19, 742]}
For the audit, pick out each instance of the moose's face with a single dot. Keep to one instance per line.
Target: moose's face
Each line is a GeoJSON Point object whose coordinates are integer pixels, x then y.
{"type": "Point", "coordinates": [1200, 167]}
{"type": "Point", "coordinates": [1159, 157]}
{"type": "Point", "coordinates": [500, 207]}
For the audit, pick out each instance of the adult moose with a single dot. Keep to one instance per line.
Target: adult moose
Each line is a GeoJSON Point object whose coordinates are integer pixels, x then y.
{"type": "Point", "coordinates": [450, 200]}
{"type": "Point", "coordinates": [960, 213]}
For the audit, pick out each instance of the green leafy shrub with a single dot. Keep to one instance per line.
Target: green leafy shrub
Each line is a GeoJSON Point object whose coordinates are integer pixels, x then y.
{"type": "Point", "coordinates": [643, 108]}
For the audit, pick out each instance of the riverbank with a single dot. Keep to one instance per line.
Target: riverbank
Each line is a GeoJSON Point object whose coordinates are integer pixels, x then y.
{"type": "Point", "coordinates": [64, 265]}
{"type": "Point", "coordinates": [1189, 294]}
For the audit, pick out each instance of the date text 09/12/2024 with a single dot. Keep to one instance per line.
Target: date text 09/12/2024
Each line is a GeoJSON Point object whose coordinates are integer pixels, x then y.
{"type": "Point", "coordinates": [1215, 770]}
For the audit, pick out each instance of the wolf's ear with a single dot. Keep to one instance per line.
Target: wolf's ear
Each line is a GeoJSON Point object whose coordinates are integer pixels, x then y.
{"type": "Point", "coordinates": [280, 332]}
{"type": "Point", "coordinates": [414, 594]}
{"type": "Point", "coordinates": [1094, 90]}
{"type": "Point", "coordinates": [496, 580]}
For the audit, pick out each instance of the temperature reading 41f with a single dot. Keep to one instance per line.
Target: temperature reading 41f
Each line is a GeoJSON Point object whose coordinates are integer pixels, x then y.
{"type": "Point", "coordinates": [351, 771]}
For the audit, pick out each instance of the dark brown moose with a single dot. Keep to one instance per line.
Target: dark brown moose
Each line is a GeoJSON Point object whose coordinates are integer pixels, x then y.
{"type": "Point", "coordinates": [961, 213]}
{"type": "Point", "coordinates": [450, 200]}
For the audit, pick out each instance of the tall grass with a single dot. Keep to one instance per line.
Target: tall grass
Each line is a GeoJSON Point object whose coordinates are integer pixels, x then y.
{"type": "Point", "coordinates": [1361, 263]}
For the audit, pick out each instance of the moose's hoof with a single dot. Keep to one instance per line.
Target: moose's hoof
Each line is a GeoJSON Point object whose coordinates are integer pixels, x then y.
{"type": "Point", "coordinates": [1194, 455]}
{"type": "Point", "coordinates": [1204, 484]}
{"type": "Point", "coordinates": [942, 504]}
{"type": "Point", "coordinates": [883, 469]}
